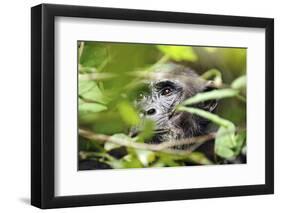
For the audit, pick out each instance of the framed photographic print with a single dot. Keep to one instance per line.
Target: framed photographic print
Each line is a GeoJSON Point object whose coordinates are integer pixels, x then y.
{"type": "Point", "coordinates": [140, 106]}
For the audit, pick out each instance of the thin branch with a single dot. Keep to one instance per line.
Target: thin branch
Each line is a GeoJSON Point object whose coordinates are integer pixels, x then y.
{"type": "Point", "coordinates": [187, 141]}
{"type": "Point", "coordinates": [163, 147]}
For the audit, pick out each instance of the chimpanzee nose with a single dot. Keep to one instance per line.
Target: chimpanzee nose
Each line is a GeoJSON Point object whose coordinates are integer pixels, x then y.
{"type": "Point", "coordinates": [151, 111]}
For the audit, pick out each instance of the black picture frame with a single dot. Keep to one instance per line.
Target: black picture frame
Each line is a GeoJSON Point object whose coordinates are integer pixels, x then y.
{"type": "Point", "coordinates": [43, 102]}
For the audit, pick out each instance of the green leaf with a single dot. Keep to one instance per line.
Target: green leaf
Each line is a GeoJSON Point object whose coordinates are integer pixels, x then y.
{"type": "Point", "coordinates": [199, 158]}
{"type": "Point", "coordinates": [89, 90]}
{"type": "Point", "coordinates": [128, 161]}
{"type": "Point", "coordinates": [240, 140]}
{"type": "Point", "coordinates": [131, 161]}
{"type": "Point", "coordinates": [168, 160]}
{"type": "Point", "coordinates": [179, 53]}
{"type": "Point", "coordinates": [158, 164]}
{"type": "Point", "coordinates": [116, 164]}
{"type": "Point", "coordinates": [109, 145]}
{"type": "Point", "coordinates": [85, 86]}
{"type": "Point", "coordinates": [128, 113]}
{"type": "Point", "coordinates": [147, 131]}
{"type": "Point", "coordinates": [91, 107]}
{"type": "Point", "coordinates": [225, 142]}
{"type": "Point", "coordinates": [214, 94]}
{"type": "Point", "coordinates": [93, 54]}
{"type": "Point", "coordinates": [145, 157]}
{"type": "Point", "coordinates": [239, 82]}
{"type": "Point", "coordinates": [225, 152]}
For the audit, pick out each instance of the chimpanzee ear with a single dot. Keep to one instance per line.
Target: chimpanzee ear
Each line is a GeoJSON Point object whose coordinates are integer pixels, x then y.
{"type": "Point", "coordinates": [211, 104]}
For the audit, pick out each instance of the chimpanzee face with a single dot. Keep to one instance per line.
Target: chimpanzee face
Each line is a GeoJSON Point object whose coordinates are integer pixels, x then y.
{"type": "Point", "coordinates": [157, 101]}
{"type": "Point", "coordinates": [158, 97]}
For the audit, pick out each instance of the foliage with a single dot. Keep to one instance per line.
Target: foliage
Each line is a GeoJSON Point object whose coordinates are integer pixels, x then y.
{"type": "Point", "coordinates": [108, 77]}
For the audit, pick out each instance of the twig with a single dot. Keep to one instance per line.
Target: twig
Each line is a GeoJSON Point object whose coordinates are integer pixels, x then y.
{"type": "Point", "coordinates": [163, 147]}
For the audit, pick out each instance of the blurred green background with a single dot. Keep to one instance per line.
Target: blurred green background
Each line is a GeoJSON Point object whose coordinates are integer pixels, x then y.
{"type": "Point", "coordinates": [108, 71]}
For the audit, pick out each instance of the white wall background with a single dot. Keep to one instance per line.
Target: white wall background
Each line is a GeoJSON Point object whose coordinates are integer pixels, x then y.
{"type": "Point", "coordinates": [15, 105]}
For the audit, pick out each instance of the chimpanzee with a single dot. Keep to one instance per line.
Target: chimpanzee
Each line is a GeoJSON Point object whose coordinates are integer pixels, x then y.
{"type": "Point", "coordinates": [169, 86]}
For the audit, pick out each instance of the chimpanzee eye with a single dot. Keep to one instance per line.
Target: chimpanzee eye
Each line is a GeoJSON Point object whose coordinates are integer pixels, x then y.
{"type": "Point", "coordinates": [167, 91]}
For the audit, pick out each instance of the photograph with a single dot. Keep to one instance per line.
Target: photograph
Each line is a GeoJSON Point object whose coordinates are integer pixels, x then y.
{"type": "Point", "coordinates": [160, 105]}
{"type": "Point", "coordinates": [138, 105]}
